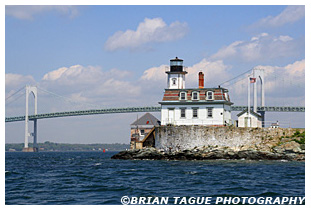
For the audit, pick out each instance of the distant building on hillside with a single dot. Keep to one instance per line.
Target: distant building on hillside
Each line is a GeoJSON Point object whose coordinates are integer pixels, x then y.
{"type": "Point", "coordinates": [275, 125]}
{"type": "Point", "coordinates": [142, 134]}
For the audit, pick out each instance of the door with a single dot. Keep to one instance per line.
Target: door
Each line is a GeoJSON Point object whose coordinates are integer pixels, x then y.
{"type": "Point", "coordinates": [247, 122]}
{"type": "Point", "coordinates": [170, 116]}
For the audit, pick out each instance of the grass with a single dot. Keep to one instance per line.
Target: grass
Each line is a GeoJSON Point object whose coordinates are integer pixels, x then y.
{"type": "Point", "coordinates": [299, 135]}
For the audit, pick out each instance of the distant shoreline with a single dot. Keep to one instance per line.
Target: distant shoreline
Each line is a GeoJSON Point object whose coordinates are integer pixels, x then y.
{"type": "Point", "coordinates": [66, 147]}
{"type": "Point", "coordinates": [65, 151]}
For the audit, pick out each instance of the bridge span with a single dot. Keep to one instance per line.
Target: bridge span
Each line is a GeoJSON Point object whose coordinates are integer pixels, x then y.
{"type": "Point", "coordinates": [140, 109]}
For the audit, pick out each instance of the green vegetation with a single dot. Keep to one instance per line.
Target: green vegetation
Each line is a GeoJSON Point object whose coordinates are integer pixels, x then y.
{"type": "Point", "coordinates": [297, 137]}
{"type": "Point", "coordinates": [300, 137]}
{"type": "Point", "coordinates": [51, 146]}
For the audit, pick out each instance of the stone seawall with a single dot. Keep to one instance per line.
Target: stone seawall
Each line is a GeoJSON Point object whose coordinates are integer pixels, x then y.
{"type": "Point", "coordinates": [179, 138]}
{"type": "Point", "coordinates": [209, 143]}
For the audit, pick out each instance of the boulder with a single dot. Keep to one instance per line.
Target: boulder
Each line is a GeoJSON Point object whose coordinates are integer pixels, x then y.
{"type": "Point", "coordinates": [288, 147]}
{"type": "Point", "coordinates": [287, 151]}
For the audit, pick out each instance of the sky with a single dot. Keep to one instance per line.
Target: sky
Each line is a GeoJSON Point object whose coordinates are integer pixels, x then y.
{"type": "Point", "coordinates": [116, 56]}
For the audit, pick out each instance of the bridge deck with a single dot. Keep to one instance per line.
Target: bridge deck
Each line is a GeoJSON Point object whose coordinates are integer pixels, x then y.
{"type": "Point", "coordinates": [139, 109]}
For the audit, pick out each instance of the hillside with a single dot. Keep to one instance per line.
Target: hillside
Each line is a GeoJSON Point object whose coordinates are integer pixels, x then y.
{"type": "Point", "coordinates": [51, 146]}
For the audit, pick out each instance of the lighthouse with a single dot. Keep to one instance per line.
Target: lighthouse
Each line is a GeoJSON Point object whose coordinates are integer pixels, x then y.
{"type": "Point", "coordinates": [176, 74]}
{"type": "Point", "coordinates": [193, 106]}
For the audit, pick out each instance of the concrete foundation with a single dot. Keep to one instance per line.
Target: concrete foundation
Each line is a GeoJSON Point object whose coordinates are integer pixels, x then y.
{"type": "Point", "coordinates": [177, 138]}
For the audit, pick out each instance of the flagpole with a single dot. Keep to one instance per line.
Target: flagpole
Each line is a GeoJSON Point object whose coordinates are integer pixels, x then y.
{"type": "Point", "coordinates": [249, 95]}
{"type": "Point", "coordinates": [255, 91]}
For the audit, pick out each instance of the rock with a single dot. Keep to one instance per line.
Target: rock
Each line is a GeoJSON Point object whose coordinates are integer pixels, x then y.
{"type": "Point", "coordinates": [147, 153]}
{"type": "Point", "coordinates": [231, 153]}
{"type": "Point", "coordinates": [283, 140]}
{"type": "Point", "coordinates": [288, 147]}
{"type": "Point", "coordinates": [278, 149]}
{"type": "Point", "coordinates": [248, 154]}
{"type": "Point", "coordinates": [286, 151]}
{"type": "Point", "coordinates": [123, 155]}
{"type": "Point", "coordinates": [291, 147]}
{"type": "Point", "coordinates": [266, 147]}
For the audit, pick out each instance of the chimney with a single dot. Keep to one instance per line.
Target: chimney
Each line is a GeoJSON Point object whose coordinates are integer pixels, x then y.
{"type": "Point", "coordinates": [201, 79]}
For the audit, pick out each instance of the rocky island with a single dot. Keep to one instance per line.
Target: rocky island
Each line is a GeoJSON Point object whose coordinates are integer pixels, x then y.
{"type": "Point", "coordinates": [290, 148]}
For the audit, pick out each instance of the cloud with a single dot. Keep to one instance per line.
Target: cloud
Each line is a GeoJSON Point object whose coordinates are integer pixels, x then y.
{"type": "Point", "coordinates": [288, 77]}
{"type": "Point", "coordinates": [148, 31]}
{"type": "Point", "coordinates": [215, 72]}
{"type": "Point", "coordinates": [290, 14]}
{"type": "Point", "coordinates": [28, 12]}
{"type": "Point", "coordinates": [14, 81]}
{"type": "Point", "coordinates": [259, 48]}
{"type": "Point", "coordinates": [74, 75]}
{"type": "Point", "coordinates": [15, 100]}
{"type": "Point", "coordinates": [90, 84]}
{"type": "Point", "coordinates": [78, 87]}
{"type": "Point", "coordinates": [284, 85]}
{"type": "Point", "coordinates": [155, 73]}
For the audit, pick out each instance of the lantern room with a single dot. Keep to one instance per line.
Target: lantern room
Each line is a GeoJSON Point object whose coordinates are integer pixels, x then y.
{"type": "Point", "coordinates": [176, 65]}
{"type": "Point", "coordinates": [176, 75]}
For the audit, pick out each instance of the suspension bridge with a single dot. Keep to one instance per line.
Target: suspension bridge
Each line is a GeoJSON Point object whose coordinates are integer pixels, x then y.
{"type": "Point", "coordinates": [28, 90]}
{"type": "Point", "coordinates": [140, 109]}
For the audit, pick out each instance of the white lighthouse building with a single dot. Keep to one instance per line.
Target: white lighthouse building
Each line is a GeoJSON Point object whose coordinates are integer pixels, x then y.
{"type": "Point", "coordinates": [176, 76]}
{"type": "Point", "coordinates": [193, 106]}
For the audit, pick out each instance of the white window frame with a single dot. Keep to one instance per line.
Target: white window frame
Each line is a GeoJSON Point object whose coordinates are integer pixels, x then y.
{"type": "Point", "coordinates": [198, 95]}
{"type": "Point", "coordinates": [180, 95]}
{"type": "Point", "coordinates": [174, 81]}
{"type": "Point", "coordinates": [197, 109]}
{"type": "Point", "coordinates": [207, 111]}
{"type": "Point", "coordinates": [181, 110]}
{"type": "Point", "coordinates": [207, 96]}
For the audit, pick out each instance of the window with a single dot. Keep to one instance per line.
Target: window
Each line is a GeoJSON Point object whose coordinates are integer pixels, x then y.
{"type": "Point", "coordinates": [174, 81]}
{"type": "Point", "coordinates": [209, 112]}
{"type": "Point", "coordinates": [142, 132]}
{"type": "Point", "coordinates": [195, 96]}
{"type": "Point", "coordinates": [182, 96]}
{"type": "Point", "coordinates": [176, 63]}
{"type": "Point", "coordinates": [209, 95]}
{"type": "Point", "coordinates": [195, 112]}
{"type": "Point", "coordinates": [182, 112]}
{"type": "Point", "coordinates": [226, 97]}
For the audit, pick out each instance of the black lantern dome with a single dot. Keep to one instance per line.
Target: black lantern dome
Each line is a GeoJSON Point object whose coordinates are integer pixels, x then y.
{"type": "Point", "coordinates": [176, 65]}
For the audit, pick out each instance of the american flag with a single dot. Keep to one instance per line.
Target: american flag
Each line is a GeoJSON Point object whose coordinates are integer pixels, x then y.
{"type": "Point", "coordinates": [252, 80]}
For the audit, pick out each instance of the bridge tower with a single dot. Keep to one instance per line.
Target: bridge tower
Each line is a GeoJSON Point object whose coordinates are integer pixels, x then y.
{"type": "Point", "coordinates": [29, 90]}
{"type": "Point", "coordinates": [260, 76]}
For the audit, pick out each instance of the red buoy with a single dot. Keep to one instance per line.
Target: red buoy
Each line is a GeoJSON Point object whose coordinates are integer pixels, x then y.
{"type": "Point", "coordinates": [104, 150]}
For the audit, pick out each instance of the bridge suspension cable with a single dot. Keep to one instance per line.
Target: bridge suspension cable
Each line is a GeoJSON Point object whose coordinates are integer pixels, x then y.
{"type": "Point", "coordinates": [8, 102]}
{"type": "Point", "coordinates": [235, 77]}
{"type": "Point", "coordinates": [13, 94]}
{"type": "Point", "coordinates": [236, 81]}
{"type": "Point", "coordinates": [68, 99]}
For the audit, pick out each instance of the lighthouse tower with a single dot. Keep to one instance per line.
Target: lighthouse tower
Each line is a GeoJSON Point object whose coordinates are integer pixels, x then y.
{"type": "Point", "coordinates": [176, 75]}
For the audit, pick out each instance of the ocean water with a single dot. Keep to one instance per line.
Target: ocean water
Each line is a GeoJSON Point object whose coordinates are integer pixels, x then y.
{"type": "Point", "coordinates": [93, 178]}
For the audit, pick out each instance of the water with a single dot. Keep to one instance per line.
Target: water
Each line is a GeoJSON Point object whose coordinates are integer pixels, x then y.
{"type": "Point", "coordinates": [93, 178]}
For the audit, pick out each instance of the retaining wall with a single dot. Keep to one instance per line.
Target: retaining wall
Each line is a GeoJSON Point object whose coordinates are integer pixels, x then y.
{"type": "Point", "coordinates": [177, 138]}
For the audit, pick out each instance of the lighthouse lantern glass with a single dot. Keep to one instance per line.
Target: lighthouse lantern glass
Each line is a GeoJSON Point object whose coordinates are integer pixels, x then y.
{"type": "Point", "coordinates": [176, 63]}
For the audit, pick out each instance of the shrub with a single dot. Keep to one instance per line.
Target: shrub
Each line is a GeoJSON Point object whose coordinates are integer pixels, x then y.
{"type": "Point", "coordinates": [300, 135]}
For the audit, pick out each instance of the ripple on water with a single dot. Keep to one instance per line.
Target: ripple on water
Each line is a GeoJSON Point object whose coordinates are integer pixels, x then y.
{"type": "Point", "coordinates": [93, 178]}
